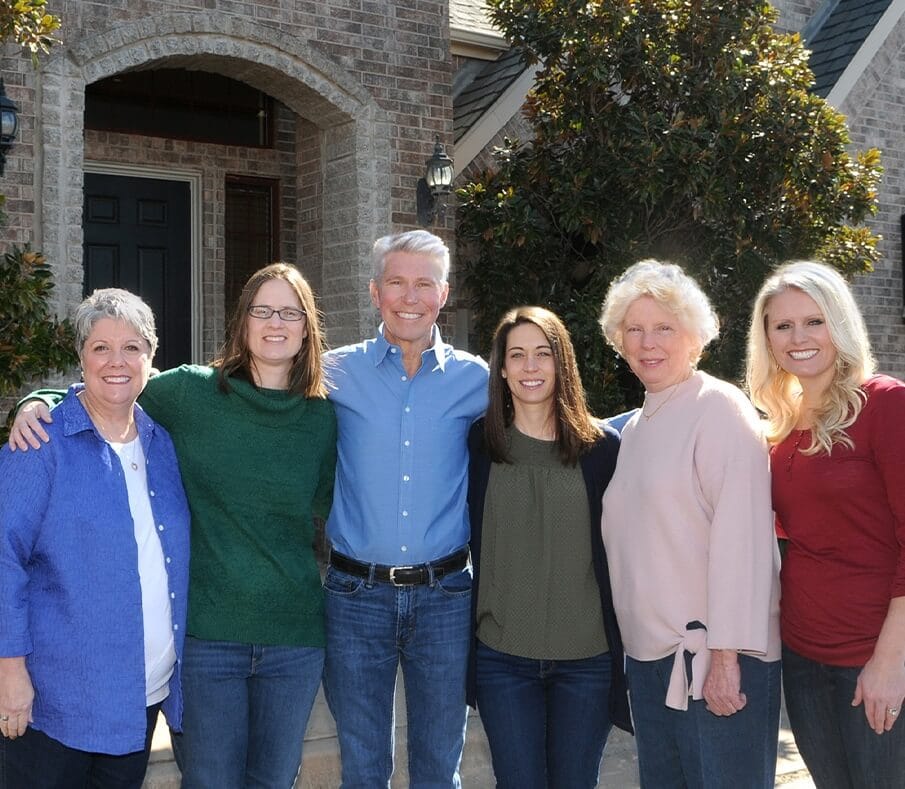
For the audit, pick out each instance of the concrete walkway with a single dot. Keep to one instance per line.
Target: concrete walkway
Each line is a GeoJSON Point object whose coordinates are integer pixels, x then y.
{"type": "Point", "coordinates": [320, 769]}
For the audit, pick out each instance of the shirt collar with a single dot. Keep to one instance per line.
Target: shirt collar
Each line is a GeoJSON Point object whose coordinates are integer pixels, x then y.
{"type": "Point", "coordinates": [76, 419]}
{"type": "Point", "coordinates": [382, 347]}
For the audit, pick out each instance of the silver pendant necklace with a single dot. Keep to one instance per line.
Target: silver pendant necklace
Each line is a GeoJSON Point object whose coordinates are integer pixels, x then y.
{"type": "Point", "coordinates": [133, 453]}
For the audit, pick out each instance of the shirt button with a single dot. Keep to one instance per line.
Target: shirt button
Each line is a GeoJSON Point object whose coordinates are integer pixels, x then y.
{"type": "Point", "coordinates": [404, 548]}
{"type": "Point", "coordinates": [151, 493]}
{"type": "Point", "coordinates": [405, 478]}
{"type": "Point", "coordinates": [175, 627]}
{"type": "Point", "coordinates": [405, 513]}
{"type": "Point", "coordinates": [168, 560]}
{"type": "Point", "coordinates": [406, 442]}
{"type": "Point", "coordinates": [172, 595]}
{"type": "Point", "coordinates": [160, 527]}
{"type": "Point", "coordinates": [392, 350]}
{"type": "Point", "coordinates": [407, 409]}
{"type": "Point", "coordinates": [405, 378]}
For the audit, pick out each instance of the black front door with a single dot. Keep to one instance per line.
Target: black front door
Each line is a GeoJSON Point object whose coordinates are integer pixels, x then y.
{"type": "Point", "coordinates": [138, 237]}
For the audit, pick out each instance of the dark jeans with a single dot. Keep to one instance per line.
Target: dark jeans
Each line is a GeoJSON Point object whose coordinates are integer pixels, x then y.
{"type": "Point", "coordinates": [36, 761]}
{"type": "Point", "coordinates": [696, 749]}
{"type": "Point", "coordinates": [546, 720]}
{"type": "Point", "coordinates": [837, 744]}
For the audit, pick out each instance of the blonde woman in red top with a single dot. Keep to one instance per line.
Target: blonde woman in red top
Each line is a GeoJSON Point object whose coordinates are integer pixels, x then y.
{"type": "Point", "coordinates": [837, 432]}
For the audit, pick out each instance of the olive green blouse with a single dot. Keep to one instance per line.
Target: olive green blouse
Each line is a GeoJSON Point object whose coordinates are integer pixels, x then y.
{"type": "Point", "coordinates": [538, 596]}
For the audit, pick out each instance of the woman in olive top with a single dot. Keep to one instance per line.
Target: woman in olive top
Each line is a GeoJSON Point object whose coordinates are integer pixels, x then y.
{"type": "Point", "coordinates": [256, 442]}
{"type": "Point", "coordinates": [546, 669]}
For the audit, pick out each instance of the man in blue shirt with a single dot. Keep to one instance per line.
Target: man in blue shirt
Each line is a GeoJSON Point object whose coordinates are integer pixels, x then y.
{"type": "Point", "coordinates": [398, 588]}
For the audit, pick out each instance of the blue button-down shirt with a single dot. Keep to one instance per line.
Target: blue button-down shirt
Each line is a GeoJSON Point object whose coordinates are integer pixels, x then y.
{"type": "Point", "coordinates": [402, 468]}
{"type": "Point", "coordinates": [70, 592]}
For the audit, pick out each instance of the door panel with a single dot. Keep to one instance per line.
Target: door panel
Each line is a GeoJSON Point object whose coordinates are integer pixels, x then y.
{"type": "Point", "coordinates": [138, 237]}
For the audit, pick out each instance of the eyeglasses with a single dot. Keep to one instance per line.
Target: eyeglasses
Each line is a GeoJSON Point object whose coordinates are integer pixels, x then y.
{"type": "Point", "coordinates": [286, 314]}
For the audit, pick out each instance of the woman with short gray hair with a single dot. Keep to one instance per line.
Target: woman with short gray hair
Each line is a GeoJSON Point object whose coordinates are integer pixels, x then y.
{"type": "Point", "coordinates": [94, 549]}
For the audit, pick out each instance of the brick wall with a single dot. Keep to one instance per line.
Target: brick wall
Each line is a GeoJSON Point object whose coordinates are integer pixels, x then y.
{"type": "Point", "coordinates": [874, 111]}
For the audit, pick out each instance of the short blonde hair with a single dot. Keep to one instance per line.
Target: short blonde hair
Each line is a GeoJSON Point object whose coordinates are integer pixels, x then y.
{"type": "Point", "coordinates": [776, 392]}
{"type": "Point", "coordinates": [672, 288]}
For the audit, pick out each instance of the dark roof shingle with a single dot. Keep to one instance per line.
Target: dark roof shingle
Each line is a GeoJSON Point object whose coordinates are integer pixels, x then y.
{"type": "Point", "coordinates": [484, 91]}
{"type": "Point", "coordinates": [839, 38]}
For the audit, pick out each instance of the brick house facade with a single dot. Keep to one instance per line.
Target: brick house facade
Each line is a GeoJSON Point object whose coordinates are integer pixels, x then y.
{"type": "Point", "coordinates": [360, 89]}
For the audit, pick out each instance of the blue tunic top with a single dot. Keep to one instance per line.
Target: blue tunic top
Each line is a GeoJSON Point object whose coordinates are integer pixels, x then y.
{"type": "Point", "coordinates": [70, 597]}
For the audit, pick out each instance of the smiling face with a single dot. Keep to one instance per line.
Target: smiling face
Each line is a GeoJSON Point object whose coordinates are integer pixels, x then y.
{"type": "Point", "coordinates": [529, 367]}
{"type": "Point", "coordinates": [409, 296]}
{"type": "Point", "coordinates": [116, 364]}
{"type": "Point", "coordinates": [800, 339]}
{"type": "Point", "coordinates": [656, 346]}
{"type": "Point", "coordinates": [273, 343]}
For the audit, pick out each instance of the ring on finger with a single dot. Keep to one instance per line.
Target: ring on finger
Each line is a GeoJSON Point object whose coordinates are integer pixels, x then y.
{"type": "Point", "coordinates": [893, 711]}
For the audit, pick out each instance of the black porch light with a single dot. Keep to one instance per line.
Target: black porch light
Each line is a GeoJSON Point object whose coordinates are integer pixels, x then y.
{"type": "Point", "coordinates": [435, 186]}
{"type": "Point", "coordinates": [9, 125]}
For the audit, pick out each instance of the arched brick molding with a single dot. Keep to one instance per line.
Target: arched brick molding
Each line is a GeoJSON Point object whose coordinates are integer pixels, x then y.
{"type": "Point", "coordinates": [353, 139]}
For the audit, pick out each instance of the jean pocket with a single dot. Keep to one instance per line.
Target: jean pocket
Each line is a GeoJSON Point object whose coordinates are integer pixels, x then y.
{"type": "Point", "coordinates": [456, 584]}
{"type": "Point", "coordinates": [340, 583]}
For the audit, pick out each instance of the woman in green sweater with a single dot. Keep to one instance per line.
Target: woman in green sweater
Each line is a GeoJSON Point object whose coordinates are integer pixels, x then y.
{"type": "Point", "coordinates": [256, 441]}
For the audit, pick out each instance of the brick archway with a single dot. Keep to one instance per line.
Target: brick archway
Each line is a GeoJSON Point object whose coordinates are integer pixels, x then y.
{"type": "Point", "coordinates": [353, 140]}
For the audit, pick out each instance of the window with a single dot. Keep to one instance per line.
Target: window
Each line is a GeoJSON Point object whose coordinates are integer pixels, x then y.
{"type": "Point", "coordinates": [252, 230]}
{"type": "Point", "coordinates": [181, 104]}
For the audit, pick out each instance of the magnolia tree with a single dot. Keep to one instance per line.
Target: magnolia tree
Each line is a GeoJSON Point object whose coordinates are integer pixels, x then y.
{"type": "Point", "coordinates": [678, 130]}
{"type": "Point", "coordinates": [32, 341]}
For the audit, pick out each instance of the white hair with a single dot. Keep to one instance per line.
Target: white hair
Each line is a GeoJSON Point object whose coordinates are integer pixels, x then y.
{"type": "Point", "coordinates": [672, 288]}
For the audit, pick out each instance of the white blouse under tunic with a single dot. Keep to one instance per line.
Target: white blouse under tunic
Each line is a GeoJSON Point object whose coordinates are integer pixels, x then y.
{"type": "Point", "coordinates": [160, 649]}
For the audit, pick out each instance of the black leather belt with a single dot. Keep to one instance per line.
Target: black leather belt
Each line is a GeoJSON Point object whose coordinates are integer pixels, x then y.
{"type": "Point", "coordinates": [408, 575]}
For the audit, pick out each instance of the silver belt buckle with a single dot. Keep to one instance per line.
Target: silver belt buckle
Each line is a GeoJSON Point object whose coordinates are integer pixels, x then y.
{"type": "Point", "coordinates": [393, 574]}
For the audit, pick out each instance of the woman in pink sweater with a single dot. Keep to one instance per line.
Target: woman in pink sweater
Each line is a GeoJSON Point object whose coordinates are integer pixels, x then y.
{"type": "Point", "coordinates": [688, 529]}
{"type": "Point", "coordinates": [838, 448]}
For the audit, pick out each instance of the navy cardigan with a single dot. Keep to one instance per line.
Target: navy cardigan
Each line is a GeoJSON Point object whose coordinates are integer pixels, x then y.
{"type": "Point", "coordinates": [597, 466]}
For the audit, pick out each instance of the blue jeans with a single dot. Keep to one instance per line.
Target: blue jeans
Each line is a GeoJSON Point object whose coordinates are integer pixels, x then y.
{"type": "Point", "coordinates": [837, 745]}
{"type": "Point", "coordinates": [700, 750]}
{"type": "Point", "coordinates": [372, 628]}
{"type": "Point", "coordinates": [36, 760]}
{"type": "Point", "coordinates": [546, 720]}
{"type": "Point", "coordinates": [246, 710]}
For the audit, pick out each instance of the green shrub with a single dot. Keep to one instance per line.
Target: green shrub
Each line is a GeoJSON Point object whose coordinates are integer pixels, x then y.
{"type": "Point", "coordinates": [32, 341]}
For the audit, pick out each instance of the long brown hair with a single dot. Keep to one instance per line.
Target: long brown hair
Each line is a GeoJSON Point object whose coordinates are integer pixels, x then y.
{"type": "Point", "coordinates": [306, 376]}
{"type": "Point", "coordinates": [576, 429]}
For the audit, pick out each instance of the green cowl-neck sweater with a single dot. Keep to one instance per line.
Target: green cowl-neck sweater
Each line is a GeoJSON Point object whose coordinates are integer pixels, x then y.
{"type": "Point", "coordinates": [257, 464]}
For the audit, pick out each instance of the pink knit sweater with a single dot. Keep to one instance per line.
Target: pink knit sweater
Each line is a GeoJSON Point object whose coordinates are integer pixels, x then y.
{"type": "Point", "coordinates": [688, 529]}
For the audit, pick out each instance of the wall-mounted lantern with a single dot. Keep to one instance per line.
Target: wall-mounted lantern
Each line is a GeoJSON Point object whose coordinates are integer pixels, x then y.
{"type": "Point", "coordinates": [435, 186]}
